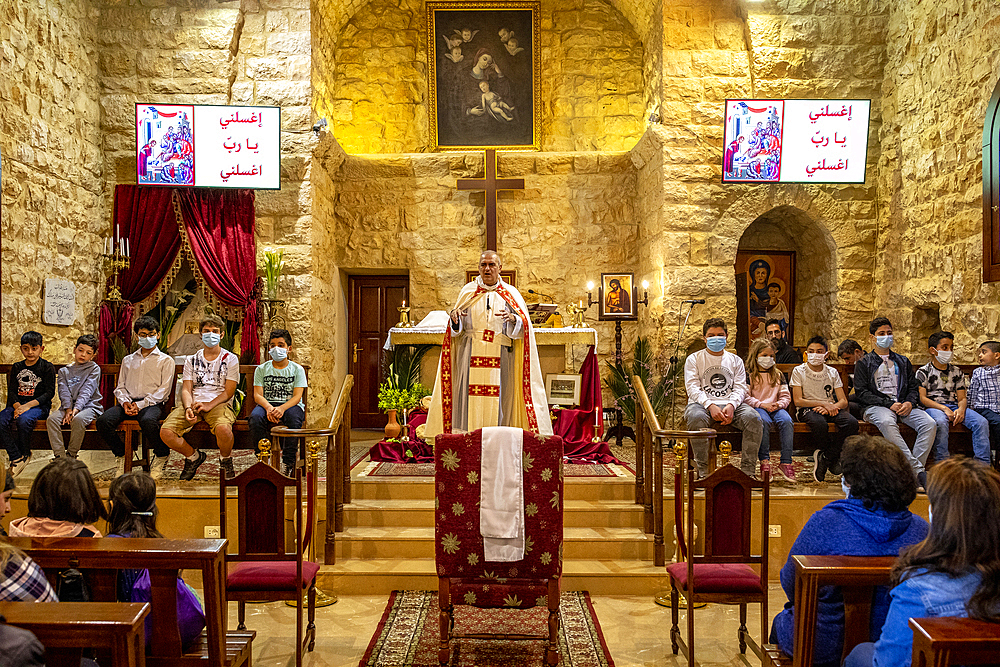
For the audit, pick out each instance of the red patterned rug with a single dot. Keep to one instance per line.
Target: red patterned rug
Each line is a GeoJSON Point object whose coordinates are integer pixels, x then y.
{"type": "Point", "coordinates": [407, 635]}
{"type": "Point", "coordinates": [386, 469]}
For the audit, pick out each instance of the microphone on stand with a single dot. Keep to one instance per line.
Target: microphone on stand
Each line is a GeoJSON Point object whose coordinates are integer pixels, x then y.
{"type": "Point", "coordinates": [692, 301]}
{"type": "Point", "coordinates": [548, 296]}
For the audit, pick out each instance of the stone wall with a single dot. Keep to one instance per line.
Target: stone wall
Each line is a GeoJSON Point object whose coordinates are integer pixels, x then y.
{"type": "Point", "coordinates": [53, 214]}
{"type": "Point", "coordinates": [943, 65]}
{"type": "Point", "coordinates": [592, 90]}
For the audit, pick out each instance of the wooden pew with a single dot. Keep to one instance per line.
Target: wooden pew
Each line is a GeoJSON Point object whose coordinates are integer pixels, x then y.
{"type": "Point", "coordinates": [946, 641]}
{"type": "Point", "coordinates": [66, 628]}
{"type": "Point", "coordinates": [857, 577]}
{"type": "Point", "coordinates": [101, 558]}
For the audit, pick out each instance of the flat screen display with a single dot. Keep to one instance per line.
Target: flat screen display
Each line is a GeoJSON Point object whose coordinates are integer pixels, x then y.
{"type": "Point", "coordinates": [795, 141]}
{"type": "Point", "coordinates": [206, 146]}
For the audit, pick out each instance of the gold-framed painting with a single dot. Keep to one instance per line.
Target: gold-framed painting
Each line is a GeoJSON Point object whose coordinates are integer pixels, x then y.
{"type": "Point", "coordinates": [765, 290]}
{"type": "Point", "coordinates": [484, 75]}
{"type": "Point", "coordinates": [617, 295]}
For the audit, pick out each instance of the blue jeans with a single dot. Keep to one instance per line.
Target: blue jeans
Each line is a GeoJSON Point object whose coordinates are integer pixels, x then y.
{"type": "Point", "coordinates": [974, 421]}
{"type": "Point", "coordinates": [260, 429]}
{"type": "Point", "coordinates": [887, 422]}
{"type": "Point", "coordinates": [993, 418]}
{"type": "Point", "coordinates": [15, 434]}
{"type": "Point", "coordinates": [786, 431]}
{"type": "Point", "coordinates": [863, 655]}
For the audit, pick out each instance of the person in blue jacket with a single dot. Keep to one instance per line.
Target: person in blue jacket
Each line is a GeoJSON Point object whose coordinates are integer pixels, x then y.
{"type": "Point", "coordinates": [955, 571]}
{"type": "Point", "coordinates": [873, 520]}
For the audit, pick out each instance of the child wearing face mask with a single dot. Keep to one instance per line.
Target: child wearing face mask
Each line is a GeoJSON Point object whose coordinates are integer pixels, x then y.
{"type": "Point", "coordinates": [278, 386]}
{"type": "Point", "coordinates": [819, 397]}
{"type": "Point", "coordinates": [210, 378]}
{"type": "Point", "coordinates": [144, 383]}
{"type": "Point", "coordinates": [942, 393]}
{"type": "Point", "coordinates": [769, 397]}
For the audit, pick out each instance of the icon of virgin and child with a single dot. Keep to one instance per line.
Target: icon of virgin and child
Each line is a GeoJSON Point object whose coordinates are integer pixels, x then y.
{"type": "Point", "coordinates": [765, 297]}
{"type": "Point", "coordinates": [483, 77]}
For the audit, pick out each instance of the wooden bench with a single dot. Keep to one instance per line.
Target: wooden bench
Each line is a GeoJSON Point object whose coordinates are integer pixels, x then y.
{"type": "Point", "coordinates": [67, 628]}
{"type": "Point", "coordinates": [102, 558]}
{"type": "Point", "coordinates": [950, 640]}
{"type": "Point", "coordinates": [857, 577]}
{"type": "Point", "coordinates": [130, 427]}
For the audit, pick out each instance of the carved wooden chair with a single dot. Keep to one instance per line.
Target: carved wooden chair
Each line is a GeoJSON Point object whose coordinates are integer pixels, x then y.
{"type": "Point", "coordinates": [950, 640]}
{"type": "Point", "coordinates": [262, 569]}
{"type": "Point", "coordinates": [464, 576]}
{"type": "Point", "coordinates": [723, 573]}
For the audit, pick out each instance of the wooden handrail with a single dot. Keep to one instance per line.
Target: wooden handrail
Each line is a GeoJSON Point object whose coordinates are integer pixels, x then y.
{"type": "Point", "coordinates": [343, 400]}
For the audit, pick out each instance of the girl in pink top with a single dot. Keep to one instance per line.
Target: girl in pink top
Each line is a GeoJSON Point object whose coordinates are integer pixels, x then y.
{"type": "Point", "coordinates": [769, 396]}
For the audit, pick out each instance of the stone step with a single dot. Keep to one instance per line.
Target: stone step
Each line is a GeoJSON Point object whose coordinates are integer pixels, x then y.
{"type": "Point", "coordinates": [418, 542]}
{"type": "Point", "coordinates": [422, 488]}
{"type": "Point", "coordinates": [406, 512]}
{"type": "Point", "coordinates": [381, 577]}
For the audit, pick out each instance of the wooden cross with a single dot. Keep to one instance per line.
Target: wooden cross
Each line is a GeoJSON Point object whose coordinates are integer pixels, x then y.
{"type": "Point", "coordinates": [492, 185]}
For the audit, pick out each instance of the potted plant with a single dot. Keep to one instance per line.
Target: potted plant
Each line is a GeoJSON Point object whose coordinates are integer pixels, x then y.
{"type": "Point", "coordinates": [274, 264]}
{"type": "Point", "coordinates": [660, 390]}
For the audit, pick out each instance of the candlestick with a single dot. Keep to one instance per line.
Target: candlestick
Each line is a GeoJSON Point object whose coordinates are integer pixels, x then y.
{"type": "Point", "coordinates": [404, 317]}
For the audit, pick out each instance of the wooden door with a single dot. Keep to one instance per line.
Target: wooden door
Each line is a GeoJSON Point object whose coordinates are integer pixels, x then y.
{"type": "Point", "coordinates": [373, 304]}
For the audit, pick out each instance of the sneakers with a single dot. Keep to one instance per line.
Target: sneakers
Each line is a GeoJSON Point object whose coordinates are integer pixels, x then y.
{"type": "Point", "coordinates": [191, 467]}
{"type": "Point", "coordinates": [227, 467]}
{"type": "Point", "coordinates": [17, 466]}
{"type": "Point", "coordinates": [835, 468]}
{"type": "Point", "coordinates": [787, 472]}
{"type": "Point", "coordinates": [921, 482]}
{"type": "Point", "coordinates": [156, 467]}
{"type": "Point", "coordinates": [119, 466]}
{"type": "Point", "coordinates": [765, 467]}
{"type": "Point", "coordinates": [819, 466]}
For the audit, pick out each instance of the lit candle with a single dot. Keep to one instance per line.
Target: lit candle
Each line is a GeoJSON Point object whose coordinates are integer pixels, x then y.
{"type": "Point", "coordinates": [404, 303]}
{"type": "Point", "coordinates": [590, 286]}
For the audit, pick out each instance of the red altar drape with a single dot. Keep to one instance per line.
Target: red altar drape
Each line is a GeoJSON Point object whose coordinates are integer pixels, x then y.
{"type": "Point", "coordinates": [226, 254]}
{"type": "Point", "coordinates": [145, 216]}
{"type": "Point", "coordinates": [576, 427]}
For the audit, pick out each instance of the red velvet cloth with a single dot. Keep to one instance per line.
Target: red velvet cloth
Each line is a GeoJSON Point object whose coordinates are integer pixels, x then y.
{"type": "Point", "coordinates": [145, 216]}
{"type": "Point", "coordinates": [458, 545]}
{"type": "Point", "coordinates": [220, 230]}
{"type": "Point", "coordinates": [576, 428]}
{"type": "Point", "coordinates": [590, 390]}
{"type": "Point", "coordinates": [718, 577]}
{"type": "Point", "coordinates": [265, 575]}
{"type": "Point", "coordinates": [395, 452]}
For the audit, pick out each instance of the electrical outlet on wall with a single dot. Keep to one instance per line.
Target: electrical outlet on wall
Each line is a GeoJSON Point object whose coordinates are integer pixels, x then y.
{"type": "Point", "coordinates": [773, 530]}
{"type": "Point", "coordinates": [212, 532]}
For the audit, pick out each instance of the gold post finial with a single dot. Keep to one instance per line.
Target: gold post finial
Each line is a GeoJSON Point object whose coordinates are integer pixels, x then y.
{"type": "Point", "coordinates": [680, 450]}
{"type": "Point", "coordinates": [313, 448]}
{"type": "Point", "coordinates": [264, 450]}
{"type": "Point", "coordinates": [725, 449]}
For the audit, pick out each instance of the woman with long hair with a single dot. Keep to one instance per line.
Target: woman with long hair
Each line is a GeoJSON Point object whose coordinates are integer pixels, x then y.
{"type": "Point", "coordinates": [63, 502]}
{"type": "Point", "coordinates": [954, 571]}
{"type": "Point", "coordinates": [769, 396]}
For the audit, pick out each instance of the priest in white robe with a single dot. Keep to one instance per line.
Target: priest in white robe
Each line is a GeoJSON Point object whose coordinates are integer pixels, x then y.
{"type": "Point", "coordinates": [488, 374]}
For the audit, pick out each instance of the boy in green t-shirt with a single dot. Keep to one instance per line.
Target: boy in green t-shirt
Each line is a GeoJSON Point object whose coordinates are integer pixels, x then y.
{"type": "Point", "coordinates": [278, 386]}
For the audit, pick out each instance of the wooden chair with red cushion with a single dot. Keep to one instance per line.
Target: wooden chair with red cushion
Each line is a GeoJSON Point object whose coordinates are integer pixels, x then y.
{"type": "Point", "coordinates": [724, 572]}
{"type": "Point", "coordinates": [464, 576]}
{"type": "Point", "coordinates": [262, 569]}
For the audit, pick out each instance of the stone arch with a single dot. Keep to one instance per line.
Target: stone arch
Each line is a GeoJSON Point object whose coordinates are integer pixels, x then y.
{"type": "Point", "coordinates": [834, 254]}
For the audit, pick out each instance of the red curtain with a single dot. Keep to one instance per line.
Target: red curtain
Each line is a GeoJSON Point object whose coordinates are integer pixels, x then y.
{"type": "Point", "coordinates": [220, 231]}
{"type": "Point", "coordinates": [145, 216]}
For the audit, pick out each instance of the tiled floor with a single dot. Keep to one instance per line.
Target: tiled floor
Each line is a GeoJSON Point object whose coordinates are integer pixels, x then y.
{"type": "Point", "coordinates": [636, 631]}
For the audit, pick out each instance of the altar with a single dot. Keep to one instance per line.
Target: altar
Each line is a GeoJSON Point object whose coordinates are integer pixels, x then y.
{"type": "Point", "coordinates": [555, 347]}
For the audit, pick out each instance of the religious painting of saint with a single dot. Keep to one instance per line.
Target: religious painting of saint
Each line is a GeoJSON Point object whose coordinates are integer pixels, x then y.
{"type": "Point", "coordinates": [752, 140]}
{"type": "Point", "coordinates": [765, 290]}
{"type": "Point", "coordinates": [164, 144]}
{"type": "Point", "coordinates": [617, 296]}
{"type": "Point", "coordinates": [484, 74]}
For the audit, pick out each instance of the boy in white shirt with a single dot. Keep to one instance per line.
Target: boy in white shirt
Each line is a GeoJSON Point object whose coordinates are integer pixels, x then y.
{"type": "Point", "coordinates": [818, 394]}
{"type": "Point", "coordinates": [210, 378]}
{"type": "Point", "coordinates": [278, 386]}
{"type": "Point", "coordinates": [144, 384]}
{"type": "Point", "coordinates": [716, 384]}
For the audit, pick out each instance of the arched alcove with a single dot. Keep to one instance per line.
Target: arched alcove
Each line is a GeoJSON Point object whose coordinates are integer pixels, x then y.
{"type": "Point", "coordinates": [789, 228]}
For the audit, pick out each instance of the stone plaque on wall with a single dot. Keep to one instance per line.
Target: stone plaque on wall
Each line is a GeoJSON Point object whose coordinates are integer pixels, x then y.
{"type": "Point", "coordinates": [60, 302]}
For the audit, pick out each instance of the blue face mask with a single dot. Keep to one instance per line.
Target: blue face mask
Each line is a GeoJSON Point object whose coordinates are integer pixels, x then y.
{"type": "Point", "coordinates": [716, 343]}
{"type": "Point", "coordinates": [847, 489]}
{"type": "Point", "coordinates": [210, 338]}
{"type": "Point", "coordinates": [884, 342]}
{"type": "Point", "coordinates": [147, 343]}
{"type": "Point", "coordinates": [278, 353]}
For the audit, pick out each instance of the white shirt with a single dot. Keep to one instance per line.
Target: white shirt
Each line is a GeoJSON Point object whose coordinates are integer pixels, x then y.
{"type": "Point", "coordinates": [886, 377]}
{"type": "Point", "coordinates": [712, 380]}
{"type": "Point", "coordinates": [209, 377]}
{"type": "Point", "coordinates": [818, 385]}
{"type": "Point", "coordinates": [145, 380]}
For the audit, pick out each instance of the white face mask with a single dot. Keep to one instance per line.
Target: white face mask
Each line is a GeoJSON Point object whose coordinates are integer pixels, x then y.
{"type": "Point", "coordinates": [944, 356]}
{"type": "Point", "coordinates": [765, 362]}
{"type": "Point", "coordinates": [815, 358]}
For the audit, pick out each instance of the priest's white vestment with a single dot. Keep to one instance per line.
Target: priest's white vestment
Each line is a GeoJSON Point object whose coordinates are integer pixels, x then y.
{"type": "Point", "coordinates": [489, 374]}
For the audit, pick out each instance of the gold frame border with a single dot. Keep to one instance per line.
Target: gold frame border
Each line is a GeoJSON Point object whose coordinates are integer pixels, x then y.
{"type": "Point", "coordinates": [535, 7]}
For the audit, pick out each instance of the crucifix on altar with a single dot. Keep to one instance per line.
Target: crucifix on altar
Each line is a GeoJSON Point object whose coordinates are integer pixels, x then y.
{"type": "Point", "coordinates": [492, 185]}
